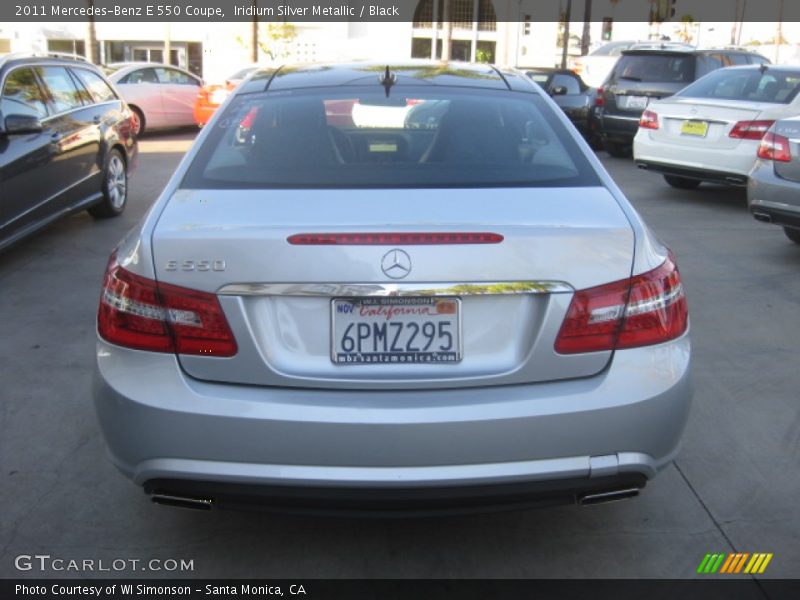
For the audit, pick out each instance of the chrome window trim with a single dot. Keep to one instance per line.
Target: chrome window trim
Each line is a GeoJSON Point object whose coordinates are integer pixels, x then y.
{"type": "Point", "coordinates": [357, 290]}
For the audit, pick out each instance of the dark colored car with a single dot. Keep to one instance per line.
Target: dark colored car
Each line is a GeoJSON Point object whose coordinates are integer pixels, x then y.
{"type": "Point", "coordinates": [574, 97]}
{"type": "Point", "coordinates": [773, 188]}
{"type": "Point", "coordinates": [66, 144]}
{"type": "Point", "coordinates": [641, 76]}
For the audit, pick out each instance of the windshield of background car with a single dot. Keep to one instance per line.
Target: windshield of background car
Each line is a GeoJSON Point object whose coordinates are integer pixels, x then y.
{"type": "Point", "coordinates": [753, 85]}
{"type": "Point", "coordinates": [417, 137]}
{"type": "Point", "coordinates": [656, 68]}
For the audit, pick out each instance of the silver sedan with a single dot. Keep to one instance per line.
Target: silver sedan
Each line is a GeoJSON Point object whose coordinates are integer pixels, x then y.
{"type": "Point", "coordinates": [773, 188]}
{"type": "Point", "coordinates": [410, 310]}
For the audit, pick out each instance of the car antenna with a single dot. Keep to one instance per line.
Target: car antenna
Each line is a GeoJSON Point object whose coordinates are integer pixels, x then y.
{"type": "Point", "coordinates": [387, 79]}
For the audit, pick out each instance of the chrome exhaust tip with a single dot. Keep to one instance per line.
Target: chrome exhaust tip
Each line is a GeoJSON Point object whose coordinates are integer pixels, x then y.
{"type": "Point", "coordinates": [610, 496]}
{"type": "Point", "coordinates": [763, 217]}
{"type": "Point", "coordinates": [182, 501]}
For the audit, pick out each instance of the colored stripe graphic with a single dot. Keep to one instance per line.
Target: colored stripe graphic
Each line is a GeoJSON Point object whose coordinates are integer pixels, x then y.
{"type": "Point", "coordinates": [703, 563]}
{"type": "Point", "coordinates": [727, 564]}
{"type": "Point", "coordinates": [764, 564]}
{"type": "Point", "coordinates": [740, 564]}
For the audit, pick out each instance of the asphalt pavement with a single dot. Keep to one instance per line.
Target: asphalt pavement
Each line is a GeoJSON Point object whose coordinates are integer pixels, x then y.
{"type": "Point", "coordinates": [734, 487]}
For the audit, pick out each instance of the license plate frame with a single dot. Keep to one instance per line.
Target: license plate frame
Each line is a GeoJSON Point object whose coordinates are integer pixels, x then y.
{"type": "Point", "coordinates": [694, 128]}
{"type": "Point", "coordinates": [378, 307]}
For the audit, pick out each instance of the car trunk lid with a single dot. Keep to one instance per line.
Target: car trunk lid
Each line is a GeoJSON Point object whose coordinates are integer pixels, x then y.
{"type": "Point", "coordinates": [279, 297]}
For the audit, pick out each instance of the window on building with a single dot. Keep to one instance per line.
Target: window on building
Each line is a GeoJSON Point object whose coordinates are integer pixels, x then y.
{"type": "Point", "coordinates": [74, 47]}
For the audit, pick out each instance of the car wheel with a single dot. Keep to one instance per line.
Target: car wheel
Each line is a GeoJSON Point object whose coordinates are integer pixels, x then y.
{"type": "Point", "coordinates": [138, 121]}
{"type": "Point", "coordinates": [115, 188]}
{"type": "Point", "coordinates": [682, 183]}
{"type": "Point", "coordinates": [618, 150]}
{"type": "Point", "coordinates": [793, 234]}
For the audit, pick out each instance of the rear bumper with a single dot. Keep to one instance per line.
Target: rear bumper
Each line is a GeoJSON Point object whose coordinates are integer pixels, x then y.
{"type": "Point", "coordinates": [387, 501]}
{"type": "Point", "coordinates": [720, 165]}
{"type": "Point", "coordinates": [620, 129]}
{"type": "Point", "coordinates": [531, 442]}
{"type": "Point", "coordinates": [773, 198]}
{"type": "Point", "coordinates": [728, 178]}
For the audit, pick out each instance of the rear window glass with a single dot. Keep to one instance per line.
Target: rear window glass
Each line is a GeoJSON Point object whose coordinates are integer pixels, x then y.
{"type": "Point", "coordinates": [656, 68]}
{"type": "Point", "coordinates": [414, 138]}
{"type": "Point", "coordinates": [779, 87]}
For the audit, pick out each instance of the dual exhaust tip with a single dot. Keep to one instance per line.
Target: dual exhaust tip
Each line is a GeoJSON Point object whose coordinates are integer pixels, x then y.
{"type": "Point", "coordinates": [200, 503]}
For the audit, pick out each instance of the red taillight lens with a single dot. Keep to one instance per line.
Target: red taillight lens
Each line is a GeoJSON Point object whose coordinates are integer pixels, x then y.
{"type": "Point", "coordinates": [649, 309]}
{"type": "Point", "coordinates": [139, 313]}
{"type": "Point", "coordinates": [750, 130]}
{"type": "Point", "coordinates": [649, 120]}
{"type": "Point", "coordinates": [775, 147]}
{"type": "Point", "coordinates": [392, 239]}
{"type": "Point", "coordinates": [599, 100]}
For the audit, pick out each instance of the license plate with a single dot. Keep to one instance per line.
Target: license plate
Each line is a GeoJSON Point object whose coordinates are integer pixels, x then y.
{"type": "Point", "coordinates": [395, 330]}
{"type": "Point", "coordinates": [632, 102]}
{"type": "Point", "coordinates": [698, 128]}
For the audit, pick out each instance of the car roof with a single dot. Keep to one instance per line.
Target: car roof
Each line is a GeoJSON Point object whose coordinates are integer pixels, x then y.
{"type": "Point", "coordinates": [411, 72]}
{"type": "Point", "coordinates": [127, 67]}
{"type": "Point", "coordinates": [666, 50]}
{"type": "Point", "coordinates": [12, 60]}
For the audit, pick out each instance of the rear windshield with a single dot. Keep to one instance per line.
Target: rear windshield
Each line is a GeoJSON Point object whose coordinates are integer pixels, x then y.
{"type": "Point", "coordinates": [417, 137]}
{"type": "Point", "coordinates": [778, 87]}
{"type": "Point", "coordinates": [656, 68]}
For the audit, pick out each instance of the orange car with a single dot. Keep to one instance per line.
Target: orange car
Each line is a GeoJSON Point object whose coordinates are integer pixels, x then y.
{"type": "Point", "coordinates": [210, 97]}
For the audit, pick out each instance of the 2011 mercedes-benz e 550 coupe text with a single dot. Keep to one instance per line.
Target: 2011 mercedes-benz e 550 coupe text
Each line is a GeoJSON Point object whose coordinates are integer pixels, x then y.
{"type": "Point", "coordinates": [401, 288]}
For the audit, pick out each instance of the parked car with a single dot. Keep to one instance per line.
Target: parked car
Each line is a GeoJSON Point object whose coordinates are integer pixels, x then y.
{"type": "Point", "coordinates": [595, 66]}
{"type": "Point", "coordinates": [574, 97]}
{"type": "Point", "coordinates": [160, 96]}
{"type": "Point", "coordinates": [711, 130]}
{"type": "Point", "coordinates": [391, 317]}
{"type": "Point", "coordinates": [66, 144]}
{"type": "Point", "coordinates": [642, 76]}
{"type": "Point", "coordinates": [210, 97]}
{"type": "Point", "coordinates": [773, 188]}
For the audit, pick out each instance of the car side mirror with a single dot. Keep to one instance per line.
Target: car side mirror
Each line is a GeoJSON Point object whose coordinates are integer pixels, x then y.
{"type": "Point", "coordinates": [16, 124]}
{"type": "Point", "coordinates": [559, 90]}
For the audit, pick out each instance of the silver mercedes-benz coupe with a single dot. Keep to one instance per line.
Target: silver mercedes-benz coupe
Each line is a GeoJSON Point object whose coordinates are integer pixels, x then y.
{"type": "Point", "coordinates": [391, 288]}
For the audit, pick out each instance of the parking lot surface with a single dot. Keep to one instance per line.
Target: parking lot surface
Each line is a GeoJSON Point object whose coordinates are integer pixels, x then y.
{"type": "Point", "coordinates": [734, 486]}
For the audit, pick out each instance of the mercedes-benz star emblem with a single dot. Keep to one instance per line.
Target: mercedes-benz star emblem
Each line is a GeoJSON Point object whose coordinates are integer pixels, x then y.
{"type": "Point", "coordinates": [396, 264]}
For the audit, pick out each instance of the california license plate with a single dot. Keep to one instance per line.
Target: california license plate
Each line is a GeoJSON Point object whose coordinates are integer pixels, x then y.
{"type": "Point", "coordinates": [698, 128]}
{"type": "Point", "coordinates": [395, 330]}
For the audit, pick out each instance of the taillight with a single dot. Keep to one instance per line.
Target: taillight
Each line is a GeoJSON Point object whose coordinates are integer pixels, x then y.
{"type": "Point", "coordinates": [647, 309]}
{"type": "Point", "coordinates": [140, 313]}
{"type": "Point", "coordinates": [750, 130]}
{"type": "Point", "coordinates": [649, 120]}
{"type": "Point", "coordinates": [599, 100]}
{"type": "Point", "coordinates": [775, 147]}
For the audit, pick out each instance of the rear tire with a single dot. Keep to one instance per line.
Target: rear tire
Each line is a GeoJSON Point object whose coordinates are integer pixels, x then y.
{"type": "Point", "coordinates": [793, 234]}
{"type": "Point", "coordinates": [138, 121]}
{"type": "Point", "coordinates": [618, 150]}
{"type": "Point", "coordinates": [115, 188]}
{"type": "Point", "coordinates": [682, 183]}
